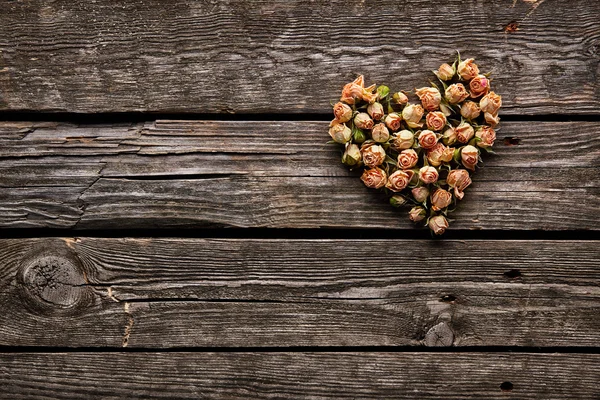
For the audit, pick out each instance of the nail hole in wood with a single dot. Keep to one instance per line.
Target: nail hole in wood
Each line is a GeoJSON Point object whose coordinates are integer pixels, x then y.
{"type": "Point", "coordinates": [513, 274]}
{"type": "Point", "coordinates": [506, 386]}
{"type": "Point", "coordinates": [448, 298]}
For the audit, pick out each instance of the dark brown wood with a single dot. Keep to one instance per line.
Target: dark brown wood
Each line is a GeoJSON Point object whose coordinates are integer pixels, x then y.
{"type": "Point", "coordinates": [272, 174]}
{"type": "Point", "coordinates": [158, 293]}
{"type": "Point", "coordinates": [288, 57]}
{"type": "Point", "coordinates": [300, 375]}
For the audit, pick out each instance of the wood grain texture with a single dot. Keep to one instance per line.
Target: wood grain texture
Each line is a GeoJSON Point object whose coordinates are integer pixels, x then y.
{"type": "Point", "coordinates": [288, 56]}
{"type": "Point", "coordinates": [195, 174]}
{"type": "Point", "coordinates": [300, 376]}
{"type": "Point", "coordinates": [162, 293]}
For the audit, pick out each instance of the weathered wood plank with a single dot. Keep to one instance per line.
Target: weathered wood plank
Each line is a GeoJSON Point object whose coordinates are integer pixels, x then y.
{"type": "Point", "coordinates": [158, 293]}
{"type": "Point", "coordinates": [300, 376]}
{"type": "Point", "coordinates": [272, 174]}
{"type": "Point", "coordinates": [281, 56]}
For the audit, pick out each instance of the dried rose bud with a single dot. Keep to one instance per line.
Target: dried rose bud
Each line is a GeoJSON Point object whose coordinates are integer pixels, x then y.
{"type": "Point", "coordinates": [464, 132]}
{"type": "Point", "coordinates": [479, 86]}
{"type": "Point", "coordinates": [407, 159]}
{"type": "Point", "coordinates": [430, 98]}
{"type": "Point", "coordinates": [428, 174]}
{"type": "Point", "coordinates": [459, 179]}
{"type": "Point", "coordinates": [438, 224]}
{"type": "Point", "coordinates": [352, 155]}
{"type": "Point", "coordinates": [420, 193]}
{"type": "Point", "coordinates": [369, 95]}
{"type": "Point", "coordinates": [375, 110]}
{"type": "Point", "coordinates": [399, 180]}
{"type": "Point", "coordinates": [402, 140]}
{"type": "Point", "coordinates": [470, 110]}
{"type": "Point", "coordinates": [374, 178]}
{"type": "Point", "coordinates": [380, 133]}
{"type": "Point", "coordinates": [373, 154]}
{"type": "Point", "coordinates": [340, 133]}
{"type": "Point", "coordinates": [470, 157]}
{"type": "Point", "coordinates": [449, 136]}
{"type": "Point", "coordinates": [438, 154]}
{"type": "Point", "coordinates": [427, 139]}
{"type": "Point", "coordinates": [412, 114]}
{"type": "Point", "coordinates": [342, 112]}
{"type": "Point", "coordinates": [417, 214]}
{"type": "Point", "coordinates": [490, 103]}
{"type": "Point", "coordinates": [456, 93]}
{"type": "Point", "coordinates": [400, 98]}
{"type": "Point", "coordinates": [440, 199]}
{"type": "Point", "coordinates": [353, 91]}
{"type": "Point", "coordinates": [446, 72]}
{"type": "Point", "coordinates": [468, 69]}
{"type": "Point", "coordinates": [487, 136]}
{"type": "Point", "coordinates": [393, 120]}
{"type": "Point", "coordinates": [398, 200]}
{"type": "Point", "coordinates": [363, 121]}
{"type": "Point", "coordinates": [491, 119]}
{"type": "Point", "coordinates": [436, 121]}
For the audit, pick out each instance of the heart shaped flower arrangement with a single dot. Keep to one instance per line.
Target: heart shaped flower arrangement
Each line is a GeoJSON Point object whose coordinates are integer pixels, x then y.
{"type": "Point", "coordinates": [420, 154]}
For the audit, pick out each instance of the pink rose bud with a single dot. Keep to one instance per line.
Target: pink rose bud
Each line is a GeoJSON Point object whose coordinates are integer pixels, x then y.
{"type": "Point", "coordinates": [363, 121]}
{"type": "Point", "coordinates": [420, 193]}
{"type": "Point", "coordinates": [352, 155]}
{"type": "Point", "coordinates": [491, 119]}
{"type": "Point", "coordinates": [456, 93]}
{"type": "Point", "coordinates": [412, 114]}
{"type": "Point", "coordinates": [427, 139]}
{"type": "Point", "coordinates": [438, 154]}
{"type": "Point", "coordinates": [375, 110]}
{"type": "Point", "coordinates": [470, 157]}
{"type": "Point", "coordinates": [459, 179]}
{"type": "Point", "coordinates": [464, 132]}
{"type": "Point", "coordinates": [446, 72]}
{"type": "Point", "coordinates": [490, 103]}
{"type": "Point", "coordinates": [340, 133]}
{"type": "Point", "coordinates": [449, 136]}
{"type": "Point", "coordinates": [400, 98]}
{"type": "Point", "coordinates": [407, 159]}
{"type": "Point", "coordinates": [392, 121]}
{"type": "Point", "coordinates": [479, 86]}
{"type": "Point", "coordinates": [436, 121]}
{"type": "Point", "coordinates": [373, 154]}
{"type": "Point", "coordinates": [374, 178]}
{"type": "Point", "coordinates": [468, 69]}
{"type": "Point", "coordinates": [399, 180]}
{"type": "Point", "coordinates": [438, 224]}
{"type": "Point", "coordinates": [486, 135]}
{"type": "Point", "coordinates": [430, 98]}
{"type": "Point", "coordinates": [353, 91]}
{"type": "Point", "coordinates": [440, 199]}
{"type": "Point", "coordinates": [402, 140]}
{"type": "Point", "coordinates": [428, 174]}
{"type": "Point", "coordinates": [397, 200]}
{"type": "Point", "coordinates": [342, 112]}
{"type": "Point", "coordinates": [469, 110]}
{"type": "Point", "coordinates": [417, 214]}
{"type": "Point", "coordinates": [380, 133]}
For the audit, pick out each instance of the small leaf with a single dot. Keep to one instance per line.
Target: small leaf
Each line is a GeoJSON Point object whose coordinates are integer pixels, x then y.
{"type": "Point", "coordinates": [383, 91]}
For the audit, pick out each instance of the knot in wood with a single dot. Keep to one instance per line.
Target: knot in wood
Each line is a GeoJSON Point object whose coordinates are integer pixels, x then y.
{"type": "Point", "coordinates": [439, 335]}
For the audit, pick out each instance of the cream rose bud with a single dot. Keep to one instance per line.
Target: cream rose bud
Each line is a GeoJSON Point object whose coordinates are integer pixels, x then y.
{"type": "Point", "coordinates": [352, 155]}
{"type": "Point", "coordinates": [459, 179]}
{"type": "Point", "coordinates": [427, 139]}
{"type": "Point", "coordinates": [340, 133]}
{"type": "Point", "coordinates": [470, 110]}
{"type": "Point", "coordinates": [449, 136]}
{"type": "Point", "coordinates": [456, 93]}
{"type": "Point", "coordinates": [375, 110]}
{"type": "Point", "coordinates": [380, 133]}
{"type": "Point", "coordinates": [392, 121]}
{"type": "Point", "coordinates": [438, 154]}
{"type": "Point", "coordinates": [438, 224]}
{"type": "Point", "coordinates": [491, 119]}
{"type": "Point", "coordinates": [420, 193]}
{"type": "Point", "coordinates": [468, 69]}
{"type": "Point", "coordinates": [407, 159]}
{"type": "Point", "coordinates": [399, 180]}
{"type": "Point", "coordinates": [374, 178]}
{"type": "Point", "coordinates": [479, 86]}
{"type": "Point", "coordinates": [490, 103]}
{"type": "Point", "coordinates": [486, 135]}
{"type": "Point", "coordinates": [446, 72]}
{"type": "Point", "coordinates": [363, 121]}
{"type": "Point", "coordinates": [464, 132]}
{"type": "Point", "coordinates": [428, 174]}
{"type": "Point", "coordinates": [412, 114]}
{"type": "Point", "coordinates": [470, 157]}
{"type": "Point", "coordinates": [417, 214]}
{"type": "Point", "coordinates": [430, 98]}
{"type": "Point", "coordinates": [400, 98]}
{"type": "Point", "coordinates": [402, 140]}
{"type": "Point", "coordinates": [436, 120]}
{"type": "Point", "coordinates": [440, 199]}
{"type": "Point", "coordinates": [372, 154]}
{"type": "Point", "coordinates": [342, 112]}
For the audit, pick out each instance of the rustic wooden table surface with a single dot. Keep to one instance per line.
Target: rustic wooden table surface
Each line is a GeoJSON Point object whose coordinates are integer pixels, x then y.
{"type": "Point", "coordinates": [173, 225]}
